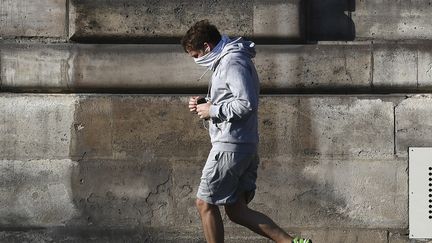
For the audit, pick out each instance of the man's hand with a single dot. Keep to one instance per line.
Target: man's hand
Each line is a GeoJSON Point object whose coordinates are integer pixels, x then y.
{"type": "Point", "coordinates": [193, 104]}
{"type": "Point", "coordinates": [203, 110]}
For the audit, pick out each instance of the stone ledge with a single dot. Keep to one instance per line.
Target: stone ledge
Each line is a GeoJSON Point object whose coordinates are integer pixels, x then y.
{"type": "Point", "coordinates": [362, 68]}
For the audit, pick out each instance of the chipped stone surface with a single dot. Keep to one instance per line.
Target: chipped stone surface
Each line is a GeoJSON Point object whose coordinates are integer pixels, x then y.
{"type": "Point", "coordinates": [25, 18]}
{"type": "Point", "coordinates": [413, 124]}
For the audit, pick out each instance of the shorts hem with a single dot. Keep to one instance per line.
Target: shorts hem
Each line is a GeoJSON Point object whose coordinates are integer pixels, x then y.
{"type": "Point", "coordinates": [215, 202]}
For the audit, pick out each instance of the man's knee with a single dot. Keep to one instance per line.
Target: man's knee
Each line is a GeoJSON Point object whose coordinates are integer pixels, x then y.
{"type": "Point", "coordinates": [203, 206]}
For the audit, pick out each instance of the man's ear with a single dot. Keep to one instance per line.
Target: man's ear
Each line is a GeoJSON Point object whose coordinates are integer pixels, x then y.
{"type": "Point", "coordinates": [207, 47]}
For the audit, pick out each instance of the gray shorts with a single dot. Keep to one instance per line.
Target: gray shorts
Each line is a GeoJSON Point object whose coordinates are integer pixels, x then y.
{"type": "Point", "coordinates": [226, 175]}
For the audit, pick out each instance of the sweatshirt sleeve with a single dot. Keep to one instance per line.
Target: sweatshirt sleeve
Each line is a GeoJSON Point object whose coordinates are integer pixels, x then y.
{"type": "Point", "coordinates": [244, 101]}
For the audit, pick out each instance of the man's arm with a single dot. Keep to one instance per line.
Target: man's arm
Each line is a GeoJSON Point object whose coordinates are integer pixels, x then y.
{"type": "Point", "coordinates": [239, 81]}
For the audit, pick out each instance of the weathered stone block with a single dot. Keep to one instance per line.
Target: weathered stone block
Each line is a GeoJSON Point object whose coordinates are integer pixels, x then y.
{"type": "Point", "coordinates": [333, 193]}
{"type": "Point", "coordinates": [392, 20]}
{"type": "Point", "coordinates": [45, 18]}
{"type": "Point", "coordinates": [326, 127]}
{"type": "Point", "coordinates": [91, 136]}
{"type": "Point", "coordinates": [132, 67]}
{"type": "Point", "coordinates": [314, 67]}
{"type": "Point", "coordinates": [35, 126]}
{"type": "Point", "coordinates": [40, 67]}
{"type": "Point", "coordinates": [123, 193]}
{"type": "Point", "coordinates": [138, 127]}
{"type": "Point", "coordinates": [134, 19]}
{"type": "Point", "coordinates": [425, 67]}
{"type": "Point", "coordinates": [36, 193]}
{"type": "Point", "coordinates": [413, 124]}
{"type": "Point", "coordinates": [395, 66]}
{"type": "Point", "coordinates": [277, 19]}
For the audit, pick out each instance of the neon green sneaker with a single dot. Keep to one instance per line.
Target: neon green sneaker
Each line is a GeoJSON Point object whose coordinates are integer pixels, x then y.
{"type": "Point", "coordinates": [301, 240]}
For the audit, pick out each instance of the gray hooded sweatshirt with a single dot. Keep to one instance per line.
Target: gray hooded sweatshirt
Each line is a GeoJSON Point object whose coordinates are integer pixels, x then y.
{"type": "Point", "coordinates": [234, 98]}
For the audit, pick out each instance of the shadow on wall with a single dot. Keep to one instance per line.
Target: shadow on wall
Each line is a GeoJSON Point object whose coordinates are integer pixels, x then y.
{"type": "Point", "coordinates": [327, 20]}
{"type": "Point", "coordinates": [287, 149]}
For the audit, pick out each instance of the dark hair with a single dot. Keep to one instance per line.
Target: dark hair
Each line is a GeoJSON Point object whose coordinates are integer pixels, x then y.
{"type": "Point", "coordinates": [202, 31]}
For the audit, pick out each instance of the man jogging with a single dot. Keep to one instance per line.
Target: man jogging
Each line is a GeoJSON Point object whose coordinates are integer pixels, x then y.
{"type": "Point", "coordinates": [231, 107]}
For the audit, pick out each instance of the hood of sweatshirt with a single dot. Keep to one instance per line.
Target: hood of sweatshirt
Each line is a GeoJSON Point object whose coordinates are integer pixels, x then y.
{"type": "Point", "coordinates": [238, 45]}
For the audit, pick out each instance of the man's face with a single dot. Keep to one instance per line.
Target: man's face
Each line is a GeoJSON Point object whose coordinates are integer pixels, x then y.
{"type": "Point", "coordinates": [196, 54]}
{"type": "Point", "coordinates": [200, 53]}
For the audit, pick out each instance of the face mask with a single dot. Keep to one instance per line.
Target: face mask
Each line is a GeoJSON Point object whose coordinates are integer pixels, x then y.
{"type": "Point", "coordinates": [208, 59]}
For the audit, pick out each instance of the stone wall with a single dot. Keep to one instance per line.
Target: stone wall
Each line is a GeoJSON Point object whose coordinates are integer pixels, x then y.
{"type": "Point", "coordinates": [97, 144]}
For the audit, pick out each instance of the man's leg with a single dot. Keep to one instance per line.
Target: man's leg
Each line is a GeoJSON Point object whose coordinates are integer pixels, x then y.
{"type": "Point", "coordinates": [258, 222]}
{"type": "Point", "coordinates": [211, 221]}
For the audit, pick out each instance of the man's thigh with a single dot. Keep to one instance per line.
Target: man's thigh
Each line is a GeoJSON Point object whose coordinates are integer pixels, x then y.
{"type": "Point", "coordinates": [225, 175]}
